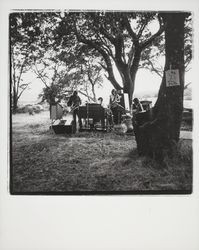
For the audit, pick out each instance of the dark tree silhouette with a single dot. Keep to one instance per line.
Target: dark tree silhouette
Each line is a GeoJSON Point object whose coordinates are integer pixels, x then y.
{"type": "Point", "coordinates": [161, 134]}
{"type": "Point", "coordinates": [119, 38]}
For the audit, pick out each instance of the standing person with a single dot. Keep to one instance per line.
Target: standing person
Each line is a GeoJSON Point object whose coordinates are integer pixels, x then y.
{"type": "Point", "coordinates": [121, 105]}
{"type": "Point", "coordinates": [113, 104]}
{"type": "Point", "coordinates": [74, 102]}
{"type": "Point", "coordinates": [121, 97]}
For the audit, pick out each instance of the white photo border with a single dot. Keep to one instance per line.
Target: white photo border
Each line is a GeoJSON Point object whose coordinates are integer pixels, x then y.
{"type": "Point", "coordinates": [95, 222]}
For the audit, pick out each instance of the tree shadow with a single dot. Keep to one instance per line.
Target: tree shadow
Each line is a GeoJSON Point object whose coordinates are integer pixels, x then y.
{"type": "Point", "coordinates": [133, 154]}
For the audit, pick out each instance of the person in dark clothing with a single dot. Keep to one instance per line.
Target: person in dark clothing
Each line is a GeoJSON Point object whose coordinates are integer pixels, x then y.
{"type": "Point", "coordinates": [74, 102]}
{"type": "Point", "coordinates": [102, 112]}
{"type": "Point", "coordinates": [138, 105]}
{"type": "Point", "coordinates": [100, 101]}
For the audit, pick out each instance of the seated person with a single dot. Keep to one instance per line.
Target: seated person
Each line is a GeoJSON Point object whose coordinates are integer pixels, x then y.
{"type": "Point", "coordinates": [100, 101]}
{"type": "Point", "coordinates": [138, 105]}
{"type": "Point", "coordinates": [100, 113]}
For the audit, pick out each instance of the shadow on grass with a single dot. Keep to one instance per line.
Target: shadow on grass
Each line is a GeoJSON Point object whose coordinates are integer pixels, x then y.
{"type": "Point", "coordinates": [133, 154]}
{"type": "Point", "coordinates": [91, 161]}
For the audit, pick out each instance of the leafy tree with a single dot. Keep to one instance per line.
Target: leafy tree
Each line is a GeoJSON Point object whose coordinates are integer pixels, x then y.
{"type": "Point", "coordinates": [161, 135]}
{"type": "Point", "coordinates": [60, 78]}
{"type": "Point", "coordinates": [19, 66]}
{"type": "Point", "coordinates": [153, 55]}
{"type": "Point", "coordinates": [58, 65]}
{"type": "Point", "coordinates": [94, 76]}
{"type": "Point", "coordinates": [90, 76]}
{"type": "Point", "coordinates": [19, 58]}
{"type": "Point", "coordinates": [51, 71]}
{"type": "Point", "coordinates": [119, 38]}
{"type": "Point", "coordinates": [28, 33]}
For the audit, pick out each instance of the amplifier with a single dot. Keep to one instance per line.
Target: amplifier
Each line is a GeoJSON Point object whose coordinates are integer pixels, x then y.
{"type": "Point", "coordinates": [62, 129]}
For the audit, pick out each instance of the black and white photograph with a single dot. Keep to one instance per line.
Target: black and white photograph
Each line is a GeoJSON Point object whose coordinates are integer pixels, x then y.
{"type": "Point", "coordinates": [99, 125]}
{"type": "Point", "coordinates": [100, 102]}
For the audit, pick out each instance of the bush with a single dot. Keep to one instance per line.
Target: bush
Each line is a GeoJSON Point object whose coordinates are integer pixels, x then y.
{"type": "Point", "coordinates": [31, 109]}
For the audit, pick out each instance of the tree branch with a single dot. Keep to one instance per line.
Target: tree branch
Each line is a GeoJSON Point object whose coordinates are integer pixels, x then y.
{"type": "Point", "coordinates": [40, 75]}
{"type": "Point", "coordinates": [20, 73]}
{"type": "Point", "coordinates": [27, 84]}
{"type": "Point", "coordinates": [186, 85]}
{"type": "Point", "coordinates": [118, 51]}
{"type": "Point", "coordinates": [56, 67]}
{"type": "Point", "coordinates": [131, 55]}
{"type": "Point", "coordinates": [154, 69]}
{"type": "Point", "coordinates": [14, 73]}
{"type": "Point", "coordinates": [88, 96]}
{"type": "Point", "coordinates": [154, 36]}
{"type": "Point", "coordinates": [107, 35]}
{"type": "Point", "coordinates": [130, 30]}
{"type": "Point", "coordinates": [97, 46]}
{"type": "Point", "coordinates": [141, 29]}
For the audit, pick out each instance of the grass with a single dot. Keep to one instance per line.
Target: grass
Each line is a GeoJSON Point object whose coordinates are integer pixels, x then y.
{"type": "Point", "coordinates": [89, 161]}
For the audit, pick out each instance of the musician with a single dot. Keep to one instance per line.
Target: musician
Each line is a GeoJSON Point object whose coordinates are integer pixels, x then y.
{"type": "Point", "coordinates": [121, 98]}
{"type": "Point", "coordinates": [74, 102]}
{"type": "Point", "coordinates": [102, 112]}
{"type": "Point", "coordinates": [113, 104]}
{"type": "Point", "coordinates": [100, 101]}
{"type": "Point", "coordinates": [138, 105]}
{"type": "Point", "coordinates": [121, 105]}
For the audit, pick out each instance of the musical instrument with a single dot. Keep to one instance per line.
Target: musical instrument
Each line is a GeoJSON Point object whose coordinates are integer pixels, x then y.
{"type": "Point", "coordinates": [74, 107]}
{"type": "Point", "coordinates": [115, 100]}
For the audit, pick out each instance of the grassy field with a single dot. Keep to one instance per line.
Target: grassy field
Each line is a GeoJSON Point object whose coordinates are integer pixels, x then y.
{"type": "Point", "coordinates": [44, 162]}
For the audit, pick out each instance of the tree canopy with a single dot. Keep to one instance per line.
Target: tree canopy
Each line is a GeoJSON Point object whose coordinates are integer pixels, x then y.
{"type": "Point", "coordinates": [53, 44]}
{"type": "Point", "coordinates": [119, 38]}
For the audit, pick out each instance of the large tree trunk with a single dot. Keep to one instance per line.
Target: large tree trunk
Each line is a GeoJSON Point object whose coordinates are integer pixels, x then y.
{"type": "Point", "coordinates": [14, 102]}
{"type": "Point", "coordinates": [129, 75]}
{"type": "Point", "coordinates": [93, 91]}
{"type": "Point", "coordinates": [158, 136]}
{"type": "Point", "coordinates": [129, 82]}
{"type": "Point", "coordinates": [134, 69]}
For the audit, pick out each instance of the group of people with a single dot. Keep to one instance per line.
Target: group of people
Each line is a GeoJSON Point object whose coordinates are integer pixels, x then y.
{"type": "Point", "coordinates": [74, 102]}
{"type": "Point", "coordinates": [116, 106]}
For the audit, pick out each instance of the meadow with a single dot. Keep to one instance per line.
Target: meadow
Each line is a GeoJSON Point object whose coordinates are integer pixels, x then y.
{"type": "Point", "coordinates": [43, 162]}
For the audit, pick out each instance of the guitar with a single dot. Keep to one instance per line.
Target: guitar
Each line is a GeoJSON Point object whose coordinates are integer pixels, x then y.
{"type": "Point", "coordinates": [74, 107]}
{"type": "Point", "coordinates": [114, 100]}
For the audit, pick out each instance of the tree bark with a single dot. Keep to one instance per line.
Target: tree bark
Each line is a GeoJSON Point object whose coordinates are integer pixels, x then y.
{"type": "Point", "coordinates": [158, 136]}
{"type": "Point", "coordinates": [134, 69]}
{"type": "Point", "coordinates": [129, 76]}
{"type": "Point", "coordinates": [14, 101]}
